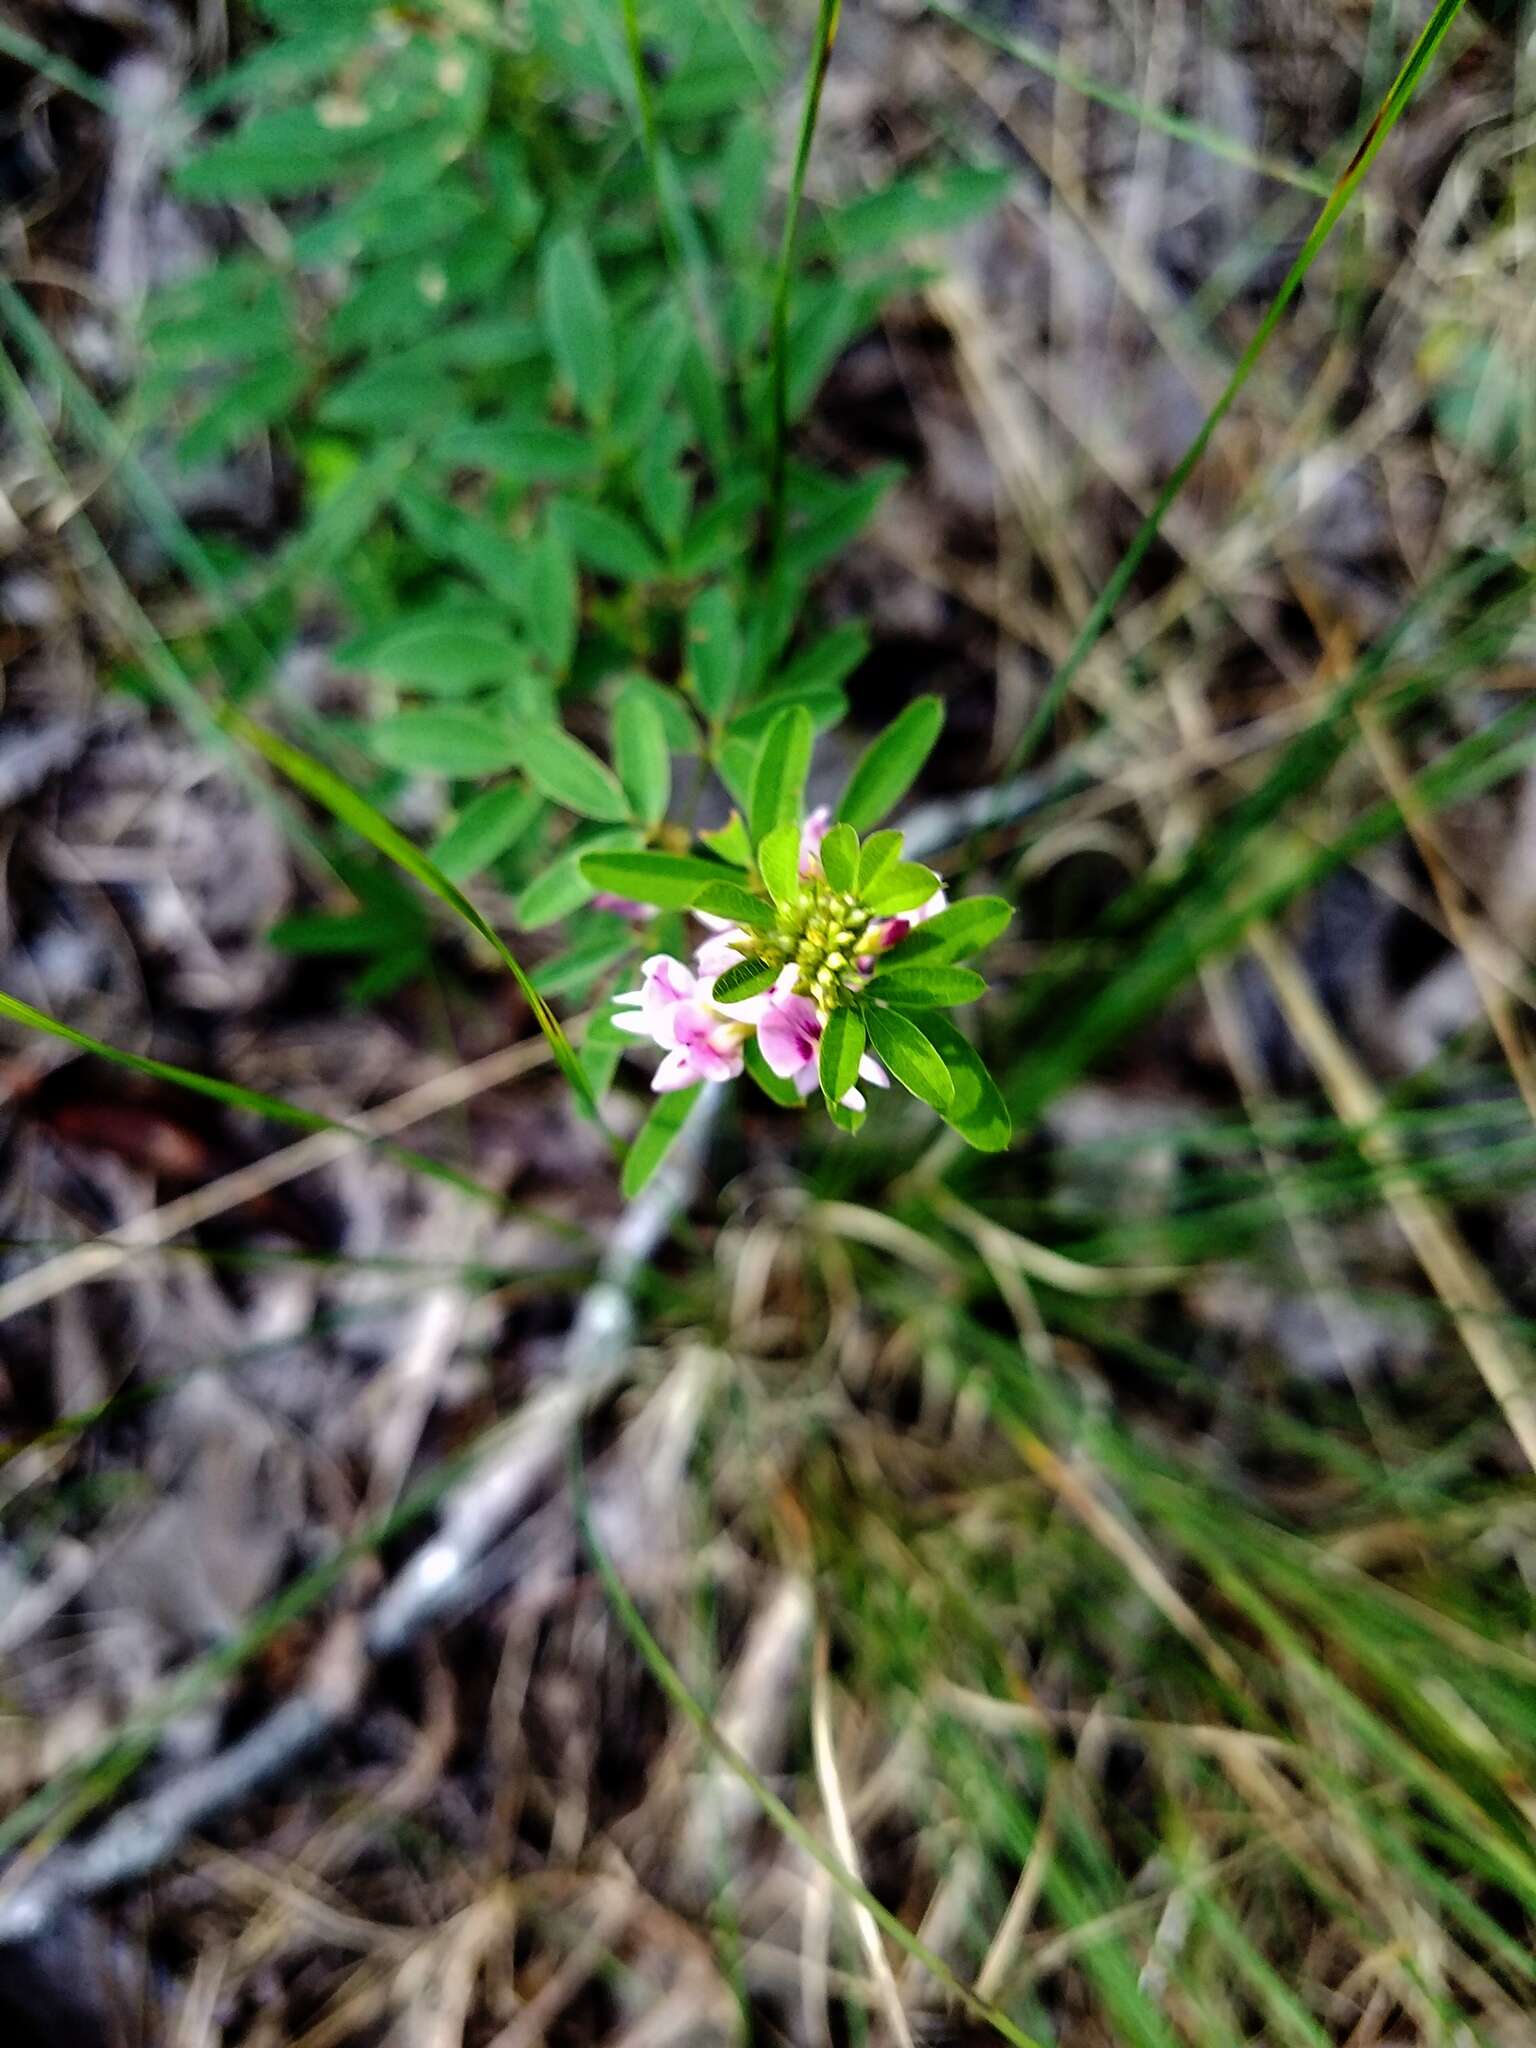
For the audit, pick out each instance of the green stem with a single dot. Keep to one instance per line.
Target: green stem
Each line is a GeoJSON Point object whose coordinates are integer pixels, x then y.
{"type": "Point", "coordinates": [1396, 99]}
{"type": "Point", "coordinates": [816, 78]}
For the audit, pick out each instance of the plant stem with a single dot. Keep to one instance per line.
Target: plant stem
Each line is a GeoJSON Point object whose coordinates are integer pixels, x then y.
{"type": "Point", "coordinates": [816, 78]}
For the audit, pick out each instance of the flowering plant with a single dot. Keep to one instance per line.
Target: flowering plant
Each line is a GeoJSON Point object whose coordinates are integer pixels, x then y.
{"type": "Point", "coordinates": [822, 960]}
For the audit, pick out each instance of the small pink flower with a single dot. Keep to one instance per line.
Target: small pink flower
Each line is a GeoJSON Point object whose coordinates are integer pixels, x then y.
{"type": "Point", "coordinates": [651, 1010]}
{"type": "Point", "coordinates": [789, 1033]}
{"type": "Point", "coordinates": [622, 906]}
{"type": "Point", "coordinates": [706, 1047]}
{"type": "Point", "coordinates": [816, 827]}
{"type": "Point", "coordinates": [672, 1009]}
{"type": "Point", "coordinates": [789, 1036]}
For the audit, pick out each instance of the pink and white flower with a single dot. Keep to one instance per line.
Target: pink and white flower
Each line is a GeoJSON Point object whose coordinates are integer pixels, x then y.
{"type": "Point", "coordinates": [789, 1038]}
{"type": "Point", "coordinates": [672, 1009]}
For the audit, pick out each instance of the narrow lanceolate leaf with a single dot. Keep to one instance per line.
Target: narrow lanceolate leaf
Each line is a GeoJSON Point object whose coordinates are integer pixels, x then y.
{"type": "Point", "coordinates": [880, 849]}
{"type": "Point", "coordinates": [778, 862]}
{"type": "Point", "coordinates": [230, 1093]}
{"type": "Point", "coordinates": [842, 1047]}
{"type": "Point", "coordinates": [890, 766]}
{"type": "Point", "coordinates": [778, 776]}
{"type": "Point", "coordinates": [569, 773]}
{"type": "Point", "coordinates": [748, 978]}
{"type": "Point", "coordinates": [656, 1137]}
{"type": "Point", "coordinates": [729, 899]}
{"type": "Point", "coordinates": [671, 881]}
{"type": "Point", "coordinates": [906, 886]}
{"type": "Point", "coordinates": [954, 933]}
{"type": "Point", "coordinates": [714, 651]}
{"type": "Point", "coordinates": [641, 753]}
{"type": "Point", "coordinates": [928, 988]}
{"type": "Point", "coordinates": [443, 743]}
{"type": "Point", "coordinates": [577, 323]}
{"type": "Point", "coordinates": [911, 1057]}
{"type": "Point", "coordinates": [344, 804]}
{"type": "Point", "coordinates": [978, 1111]}
{"type": "Point", "coordinates": [840, 858]}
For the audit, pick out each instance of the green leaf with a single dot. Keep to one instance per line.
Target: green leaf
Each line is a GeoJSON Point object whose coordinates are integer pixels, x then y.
{"type": "Point", "coordinates": [349, 808]}
{"type": "Point", "coordinates": [906, 886]}
{"type": "Point", "coordinates": [443, 743]}
{"type": "Point", "coordinates": [879, 850]}
{"type": "Point", "coordinates": [641, 753]}
{"type": "Point", "coordinates": [955, 932]}
{"type": "Point", "coordinates": [652, 358]}
{"type": "Point", "coordinates": [569, 773]}
{"type": "Point", "coordinates": [842, 1047]}
{"type": "Point", "coordinates": [672, 881]}
{"type": "Point", "coordinates": [714, 650]}
{"type": "Point", "coordinates": [729, 899]}
{"type": "Point", "coordinates": [823, 707]}
{"type": "Point", "coordinates": [577, 322]}
{"type": "Point", "coordinates": [564, 885]}
{"type": "Point", "coordinates": [827, 662]}
{"type": "Point", "coordinates": [777, 1087]}
{"type": "Point", "coordinates": [778, 776]}
{"type": "Point", "coordinates": [911, 1057]}
{"type": "Point", "coordinates": [747, 978]}
{"type": "Point", "coordinates": [488, 824]}
{"type": "Point", "coordinates": [840, 858]}
{"type": "Point", "coordinates": [520, 451]}
{"type": "Point", "coordinates": [656, 1137]}
{"type": "Point", "coordinates": [890, 766]}
{"type": "Point", "coordinates": [730, 841]}
{"type": "Point", "coordinates": [924, 202]}
{"type": "Point", "coordinates": [551, 596]}
{"type": "Point", "coordinates": [927, 988]}
{"type": "Point", "coordinates": [607, 542]}
{"type": "Point", "coordinates": [978, 1111]}
{"type": "Point", "coordinates": [672, 707]}
{"type": "Point", "coordinates": [778, 862]}
{"type": "Point", "coordinates": [264, 394]}
{"type": "Point", "coordinates": [441, 654]}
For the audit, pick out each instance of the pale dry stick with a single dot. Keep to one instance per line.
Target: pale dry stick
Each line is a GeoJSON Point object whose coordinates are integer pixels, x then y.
{"type": "Point", "coordinates": [1469, 1297]}
{"type": "Point", "coordinates": [1020, 1910]}
{"type": "Point", "coordinates": [839, 1828]}
{"type": "Point", "coordinates": [105, 1254]}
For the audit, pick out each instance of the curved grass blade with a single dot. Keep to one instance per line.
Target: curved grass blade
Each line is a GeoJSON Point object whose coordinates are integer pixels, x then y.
{"type": "Point", "coordinates": [1397, 97]}
{"type": "Point", "coordinates": [345, 804]}
{"type": "Point", "coordinates": [232, 1095]}
{"type": "Point", "coordinates": [672, 1683]}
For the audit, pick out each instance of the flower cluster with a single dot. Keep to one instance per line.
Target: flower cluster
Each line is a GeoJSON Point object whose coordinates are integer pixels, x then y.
{"type": "Point", "coordinates": [818, 951]}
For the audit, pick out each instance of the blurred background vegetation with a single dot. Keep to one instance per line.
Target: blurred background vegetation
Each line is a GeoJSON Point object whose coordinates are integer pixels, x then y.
{"type": "Point", "coordinates": [855, 1590]}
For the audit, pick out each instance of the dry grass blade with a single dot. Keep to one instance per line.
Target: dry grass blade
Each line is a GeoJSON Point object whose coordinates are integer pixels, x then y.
{"type": "Point", "coordinates": [1470, 1298]}
{"type": "Point", "coordinates": [839, 1826]}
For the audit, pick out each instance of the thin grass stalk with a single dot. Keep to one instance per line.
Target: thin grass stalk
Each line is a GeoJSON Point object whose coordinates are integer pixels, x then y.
{"type": "Point", "coordinates": [816, 78]}
{"type": "Point", "coordinates": [1347, 184]}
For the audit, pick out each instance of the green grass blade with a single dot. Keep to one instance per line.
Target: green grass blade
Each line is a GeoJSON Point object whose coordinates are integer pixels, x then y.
{"type": "Point", "coordinates": [349, 808]}
{"type": "Point", "coordinates": [231, 1094]}
{"type": "Point", "coordinates": [1026, 51]}
{"type": "Point", "coordinates": [821, 57]}
{"type": "Point", "coordinates": [1396, 99]}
